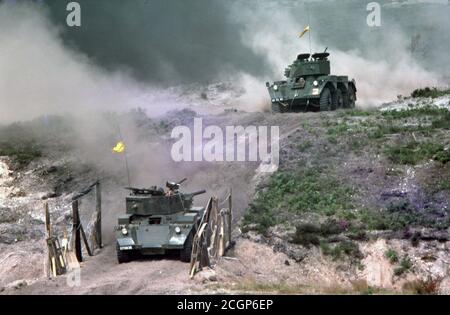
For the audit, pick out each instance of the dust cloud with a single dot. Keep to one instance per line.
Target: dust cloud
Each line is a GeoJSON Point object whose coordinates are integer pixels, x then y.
{"type": "Point", "coordinates": [115, 62]}
{"type": "Point", "coordinates": [382, 60]}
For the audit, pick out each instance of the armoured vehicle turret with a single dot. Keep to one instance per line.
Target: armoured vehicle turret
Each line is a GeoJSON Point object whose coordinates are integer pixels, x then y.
{"type": "Point", "coordinates": [310, 86]}
{"type": "Point", "coordinates": [158, 221]}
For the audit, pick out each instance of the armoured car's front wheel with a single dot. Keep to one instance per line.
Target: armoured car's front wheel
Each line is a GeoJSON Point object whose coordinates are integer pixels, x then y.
{"type": "Point", "coordinates": [326, 100]}
{"type": "Point", "coordinates": [186, 252]}
{"type": "Point", "coordinates": [277, 108]}
{"type": "Point", "coordinates": [123, 256]}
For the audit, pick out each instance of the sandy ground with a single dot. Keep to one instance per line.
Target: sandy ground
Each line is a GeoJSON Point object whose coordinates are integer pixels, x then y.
{"type": "Point", "coordinates": [102, 274]}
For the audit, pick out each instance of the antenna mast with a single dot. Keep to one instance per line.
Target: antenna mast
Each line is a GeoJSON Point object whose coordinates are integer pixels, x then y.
{"type": "Point", "coordinates": [309, 25]}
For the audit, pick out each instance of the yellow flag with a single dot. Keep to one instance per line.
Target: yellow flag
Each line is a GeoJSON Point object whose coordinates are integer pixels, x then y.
{"type": "Point", "coordinates": [304, 31]}
{"type": "Point", "coordinates": [119, 148]}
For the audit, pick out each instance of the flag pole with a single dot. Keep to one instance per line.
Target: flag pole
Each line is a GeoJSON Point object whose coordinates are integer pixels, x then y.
{"type": "Point", "coordinates": [125, 154]}
{"type": "Point", "coordinates": [309, 32]}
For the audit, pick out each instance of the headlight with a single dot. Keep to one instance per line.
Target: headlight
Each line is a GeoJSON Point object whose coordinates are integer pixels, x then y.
{"type": "Point", "coordinates": [273, 100]}
{"type": "Point", "coordinates": [177, 230]}
{"type": "Point", "coordinates": [315, 83]}
{"type": "Point", "coordinates": [124, 231]}
{"type": "Point", "coordinates": [275, 87]}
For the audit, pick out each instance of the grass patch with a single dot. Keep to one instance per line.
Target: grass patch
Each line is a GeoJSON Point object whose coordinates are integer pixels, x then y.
{"type": "Point", "coordinates": [251, 286]}
{"type": "Point", "coordinates": [414, 152]}
{"type": "Point", "coordinates": [307, 190]}
{"type": "Point", "coordinates": [339, 129]}
{"type": "Point", "coordinates": [445, 184]}
{"type": "Point", "coordinates": [22, 152]}
{"type": "Point", "coordinates": [302, 147]}
{"type": "Point", "coordinates": [431, 111]}
{"type": "Point", "coordinates": [25, 141]}
{"type": "Point", "coordinates": [394, 218]}
{"type": "Point", "coordinates": [357, 144]}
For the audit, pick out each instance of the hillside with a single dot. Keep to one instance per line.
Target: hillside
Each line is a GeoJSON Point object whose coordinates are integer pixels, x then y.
{"type": "Point", "coordinates": [360, 203]}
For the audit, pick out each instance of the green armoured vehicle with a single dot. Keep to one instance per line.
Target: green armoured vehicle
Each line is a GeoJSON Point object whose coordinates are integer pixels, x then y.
{"type": "Point", "coordinates": [309, 86]}
{"type": "Point", "coordinates": [158, 222]}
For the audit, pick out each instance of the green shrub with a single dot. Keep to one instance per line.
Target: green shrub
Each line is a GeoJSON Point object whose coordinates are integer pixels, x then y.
{"type": "Point", "coordinates": [307, 228]}
{"type": "Point", "coordinates": [430, 92]}
{"type": "Point", "coordinates": [341, 249]}
{"type": "Point", "coordinates": [306, 239]}
{"type": "Point", "coordinates": [423, 287]}
{"type": "Point", "coordinates": [406, 263]}
{"type": "Point", "coordinates": [307, 234]}
{"type": "Point", "coordinates": [330, 227]}
{"type": "Point", "coordinates": [405, 266]}
{"type": "Point", "coordinates": [443, 156]}
{"type": "Point", "coordinates": [351, 249]}
{"type": "Point", "coordinates": [325, 248]}
{"type": "Point", "coordinates": [392, 256]}
{"type": "Point", "coordinates": [263, 217]}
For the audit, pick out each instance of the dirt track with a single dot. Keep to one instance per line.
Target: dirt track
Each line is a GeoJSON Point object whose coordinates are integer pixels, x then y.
{"type": "Point", "coordinates": [103, 275]}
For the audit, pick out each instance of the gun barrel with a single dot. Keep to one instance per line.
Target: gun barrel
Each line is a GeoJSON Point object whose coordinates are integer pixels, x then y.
{"type": "Point", "coordinates": [182, 181]}
{"type": "Point", "coordinates": [198, 192]}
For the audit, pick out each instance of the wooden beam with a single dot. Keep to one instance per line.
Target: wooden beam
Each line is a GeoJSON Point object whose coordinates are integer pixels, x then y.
{"type": "Point", "coordinates": [48, 226]}
{"type": "Point", "coordinates": [47, 261]}
{"type": "Point", "coordinates": [85, 241]}
{"type": "Point", "coordinates": [98, 226]}
{"type": "Point", "coordinates": [76, 230]}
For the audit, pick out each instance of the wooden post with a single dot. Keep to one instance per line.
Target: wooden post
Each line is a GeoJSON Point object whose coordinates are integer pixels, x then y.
{"type": "Point", "coordinates": [222, 239]}
{"type": "Point", "coordinates": [230, 215]}
{"type": "Point", "coordinates": [48, 226]}
{"type": "Point", "coordinates": [98, 227]}
{"type": "Point", "coordinates": [76, 230]}
{"type": "Point", "coordinates": [47, 262]}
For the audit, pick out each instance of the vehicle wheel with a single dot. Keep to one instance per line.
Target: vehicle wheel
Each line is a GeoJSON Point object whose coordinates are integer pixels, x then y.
{"type": "Point", "coordinates": [339, 99]}
{"type": "Point", "coordinates": [351, 97]}
{"type": "Point", "coordinates": [276, 108]}
{"type": "Point", "coordinates": [123, 256]}
{"type": "Point", "coordinates": [326, 100]}
{"type": "Point", "coordinates": [186, 252]}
